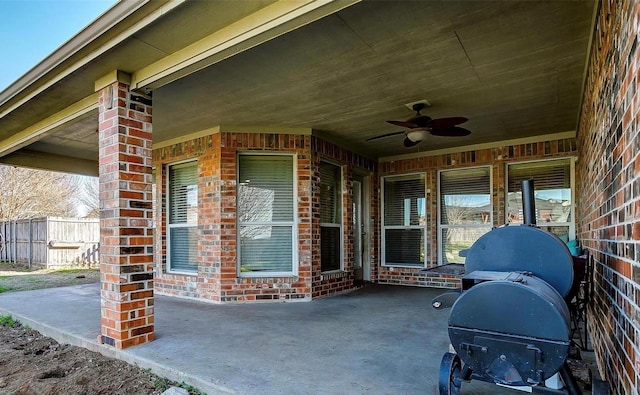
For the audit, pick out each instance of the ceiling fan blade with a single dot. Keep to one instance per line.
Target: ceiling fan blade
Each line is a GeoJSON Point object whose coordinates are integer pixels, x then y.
{"type": "Point", "coordinates": [384, 135]}
{"type": "Point", "coordinates": [404, 124]}
{"type": "Point", "coordinates": [419, 121]}
{"type": "Point", "coordinates": [442, 123]}
{"type": "Point", "coordinates": [454, 131]}
{"type": "Point", "coordinates": [408, 143]}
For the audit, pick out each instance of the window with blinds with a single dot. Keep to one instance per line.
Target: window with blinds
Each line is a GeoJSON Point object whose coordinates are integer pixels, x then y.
{"type": "Point", "coordinates": [330, 217]}
{"type": "Point", "coordinates": [404, 220]}
{"type": "Point", "coordinates": [182, 213]}
{"type": "Point", "coordinates": [266, 214]}
{"type": "Point", "coordinates": [552, 181]}
{"type": "Point", "coordinates": [465, 211]}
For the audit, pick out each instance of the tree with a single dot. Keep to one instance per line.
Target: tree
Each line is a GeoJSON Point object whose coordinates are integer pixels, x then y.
{"type": "Point", "coordinates": [28, 193]}
{"type": "Point", "coordinates": [89, 197]}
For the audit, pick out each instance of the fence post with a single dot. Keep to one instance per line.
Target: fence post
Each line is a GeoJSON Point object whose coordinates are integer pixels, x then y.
{"type": "Point", "coordinates": [15, 242]}
{"type": "Point", "coordinates": [2, 237]}
{"type": "Point", "coordinates": [30, 246]}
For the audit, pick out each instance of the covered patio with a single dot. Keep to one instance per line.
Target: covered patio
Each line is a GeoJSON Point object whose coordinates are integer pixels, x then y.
{"type": "Point", "coordinates": [377, 340]}
{"type": "Point", "coordinates": [245, 153]}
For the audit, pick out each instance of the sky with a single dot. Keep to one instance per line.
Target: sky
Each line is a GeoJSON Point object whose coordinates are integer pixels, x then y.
{"type": "Point", "coordinates": [30, 30]}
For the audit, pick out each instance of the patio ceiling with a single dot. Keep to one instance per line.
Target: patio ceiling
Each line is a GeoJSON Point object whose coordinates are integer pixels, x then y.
{"type": "Point", "coordinates": [515, 69]}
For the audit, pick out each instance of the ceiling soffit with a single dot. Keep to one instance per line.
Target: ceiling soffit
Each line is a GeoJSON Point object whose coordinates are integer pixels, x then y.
{"type": "Point", "coordinates": [515, 69]}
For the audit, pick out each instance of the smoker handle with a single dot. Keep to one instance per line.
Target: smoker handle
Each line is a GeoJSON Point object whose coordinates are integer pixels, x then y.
{"type": "Point", "coordinates": [445, 300]}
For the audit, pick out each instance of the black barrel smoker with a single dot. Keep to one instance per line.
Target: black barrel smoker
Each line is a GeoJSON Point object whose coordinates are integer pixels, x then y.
{"type": "Point", "coordinates": [510, 324]}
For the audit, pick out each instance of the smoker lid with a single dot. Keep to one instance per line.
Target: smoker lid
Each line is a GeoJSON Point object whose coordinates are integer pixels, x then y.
{"type": "Point", "coordinates": [525, 249]}
{"type": "Point", "coordinates": [511, 331]}
{"type": "Point", "coordinates": [520, 305]}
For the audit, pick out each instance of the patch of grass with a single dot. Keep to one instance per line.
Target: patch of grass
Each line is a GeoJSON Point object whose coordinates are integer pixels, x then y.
{"type": "Point", "coordinates": [192, 390]}
{"type": "Point", "coordinates": [7, 320]}
{"type": "Point", "coordinates": [163, 384]}
{"type": "Point", "coordinates": [5, 289]}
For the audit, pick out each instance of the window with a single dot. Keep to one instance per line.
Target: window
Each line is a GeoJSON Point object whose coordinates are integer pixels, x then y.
{"type": "Point", "coordinates": [183, 217]}
{"type": "Point", "coordinates": [266, 215]}
{"type": "Point", "coordinates": [465, 211]}
{"type": "Point", "coordinates": [330, 217]}
{"type": "Point", "coordinates": [404, 220]}
{"type": "Point", "coordinates": [552, 183]}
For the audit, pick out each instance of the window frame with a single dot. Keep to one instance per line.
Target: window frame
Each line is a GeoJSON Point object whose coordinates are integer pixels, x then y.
{"type": "Point", "coordinates": [339, 225]}
{"type": "Point", "coordinates": [442, 227]}
{"type": "Point", "coordinates": [572, 180]}
{"type": "Point", "coordinates": [169, 269]}
{"type": "Point", "coordinates": [383, 227]}
{"type": "Point", "coordinates": [293, 223]}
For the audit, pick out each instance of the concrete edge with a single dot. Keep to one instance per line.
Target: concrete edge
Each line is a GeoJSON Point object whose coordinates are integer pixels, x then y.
{"type": "Point", "coordinates": [156, 368]}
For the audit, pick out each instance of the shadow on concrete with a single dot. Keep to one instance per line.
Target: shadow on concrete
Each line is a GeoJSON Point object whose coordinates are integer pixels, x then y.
{"type": "Point", "coordinates": [376, 340]}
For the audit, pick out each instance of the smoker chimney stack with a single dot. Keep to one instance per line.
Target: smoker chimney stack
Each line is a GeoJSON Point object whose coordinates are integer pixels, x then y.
{"type": "Point", "coordinates": [528, 203]}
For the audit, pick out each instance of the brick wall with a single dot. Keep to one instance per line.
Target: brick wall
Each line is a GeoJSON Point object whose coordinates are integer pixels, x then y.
{"type": "Point", "coordinates": [203, 284]}
{"type": "Point", "coordinates": [332, 283]}
{"type": "Point", "coordinates": [217, 278]}
{"type": "Point", "coordinates": [216, 155]}
{"type": "Point", "coordinates": [609, 189]}
{"type": "Point", "coordinates": [241, 289]}
{"type": "Point", "coordinates": [497, 158]}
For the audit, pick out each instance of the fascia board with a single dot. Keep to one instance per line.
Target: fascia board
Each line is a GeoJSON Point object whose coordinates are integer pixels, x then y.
{"type": "Point", "coordinates": [75, 46]}
{"type": "Point", "coordinates": [270, 22]}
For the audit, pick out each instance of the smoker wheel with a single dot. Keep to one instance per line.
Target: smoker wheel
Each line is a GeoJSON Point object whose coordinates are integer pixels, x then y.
{"type": "Point", "coordinates": [450, 379]}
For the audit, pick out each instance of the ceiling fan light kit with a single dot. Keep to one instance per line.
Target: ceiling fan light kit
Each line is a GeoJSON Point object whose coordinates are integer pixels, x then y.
{"type": "Point", "coordinates": [415, 135]}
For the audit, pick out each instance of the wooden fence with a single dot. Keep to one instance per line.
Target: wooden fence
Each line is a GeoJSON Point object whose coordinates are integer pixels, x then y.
{"type": "Point", "coordinates": [50, 242]}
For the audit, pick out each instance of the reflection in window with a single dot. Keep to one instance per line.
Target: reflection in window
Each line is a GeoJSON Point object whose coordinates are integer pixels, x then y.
{"type": "Point", "coordinates": [465, 211]}
{"type": "Point", "coordinates": [265, 214]}
{"type": "Point", "coordinates": [552, 191]}
{"type": "Point", "coordinates": [255, 205]}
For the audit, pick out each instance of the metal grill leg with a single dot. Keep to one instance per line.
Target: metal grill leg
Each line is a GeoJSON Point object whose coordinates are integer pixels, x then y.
{"type": "Point", "coordinates": [569, 380]}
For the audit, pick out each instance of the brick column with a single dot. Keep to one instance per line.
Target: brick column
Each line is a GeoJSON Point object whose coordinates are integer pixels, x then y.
{"type": "Point", "coordinates": [126, 215]}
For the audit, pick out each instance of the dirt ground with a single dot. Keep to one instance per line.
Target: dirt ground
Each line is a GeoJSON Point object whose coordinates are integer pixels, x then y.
{"type": "Point", "coordinates": [32, 364]}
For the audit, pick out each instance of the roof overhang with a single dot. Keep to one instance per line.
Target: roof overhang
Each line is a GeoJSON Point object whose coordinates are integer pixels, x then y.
{"type": "Point", "coordinates": [339, 68]}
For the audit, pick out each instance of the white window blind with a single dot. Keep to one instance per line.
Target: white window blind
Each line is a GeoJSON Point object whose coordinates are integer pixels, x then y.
{"type": "Point", "coordinates": [552, 191]}
{"type": "Point", "coordinates": [404, 220]}
{"type": "Point", "coordinates": [465, 196]}
{"type": "Point", "coordinates": [266, 208]}
{"type": "Point", "coordinates": [183, 217]}
{"type": "Point", "coordinates": [547, 175]}
{"type": "Point", "coordinates": [330, 217]}
{"type": "Point", "coordinates": [465, 211]}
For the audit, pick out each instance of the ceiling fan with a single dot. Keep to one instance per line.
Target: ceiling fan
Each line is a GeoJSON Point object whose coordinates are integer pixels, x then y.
{"type": "Point", "coordinates": [419, 125]}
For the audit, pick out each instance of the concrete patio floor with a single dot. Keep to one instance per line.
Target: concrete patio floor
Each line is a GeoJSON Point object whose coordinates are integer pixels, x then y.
{"type": "Point", "coordinates": [376, 340]}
